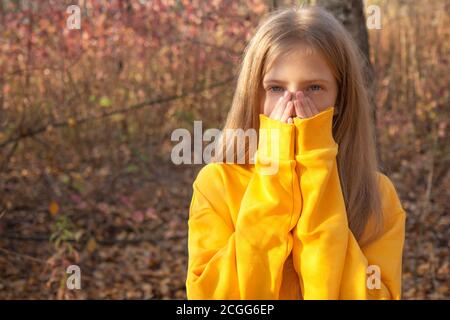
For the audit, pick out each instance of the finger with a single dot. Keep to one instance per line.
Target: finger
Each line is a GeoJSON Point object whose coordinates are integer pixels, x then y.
{"type": "Point", "coordinates": [282, 105]}
{"type": "Point", "coordinates": [276, 108]}
{"type": "Point", "coordinates": [287, 111]}
{"type": "Point", "coordinates": [315, 109]}
{"type": "Point", "coordinates": [304, 106]}
{"type": "Point", "coordinates": [298, 109]}
{"type": "Point", "coordinates": [311, 106]}
{"type": "Point", "coordinates": [290, 121]}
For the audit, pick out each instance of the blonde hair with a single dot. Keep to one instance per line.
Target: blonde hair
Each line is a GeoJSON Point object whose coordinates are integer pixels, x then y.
{"type": "Point", "coordinates": [352, 126]}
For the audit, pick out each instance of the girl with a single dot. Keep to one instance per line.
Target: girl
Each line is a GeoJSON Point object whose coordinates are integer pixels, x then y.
{"type": "Point", "coordinates": [325, 224]}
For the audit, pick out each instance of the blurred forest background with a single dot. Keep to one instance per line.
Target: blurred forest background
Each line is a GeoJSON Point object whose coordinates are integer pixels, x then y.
{"type": "Point", "coordinates": [86, 117]}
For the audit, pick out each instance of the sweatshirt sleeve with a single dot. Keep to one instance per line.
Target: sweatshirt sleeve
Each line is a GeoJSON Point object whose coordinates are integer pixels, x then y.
{"type": "Point", "coordinates": [329, 260]}
{"type": "Point", "coordinates": [245, 260]}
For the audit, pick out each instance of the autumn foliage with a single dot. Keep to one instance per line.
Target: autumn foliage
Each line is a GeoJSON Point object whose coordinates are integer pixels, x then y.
{"type": "Point", "coordinates": [85, 121]}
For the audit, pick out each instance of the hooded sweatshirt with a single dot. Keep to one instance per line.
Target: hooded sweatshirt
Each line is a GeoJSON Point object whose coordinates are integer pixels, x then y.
{"type": "Point", "coordinates": [278, 229]}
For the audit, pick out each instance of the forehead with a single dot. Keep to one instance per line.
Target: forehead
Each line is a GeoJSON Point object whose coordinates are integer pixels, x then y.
{"type": "Point", "coordinates": [301, 62]}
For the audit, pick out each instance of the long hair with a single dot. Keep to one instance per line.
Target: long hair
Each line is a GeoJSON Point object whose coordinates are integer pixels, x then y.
{"type": "Point", "coordinates": [357, 163]}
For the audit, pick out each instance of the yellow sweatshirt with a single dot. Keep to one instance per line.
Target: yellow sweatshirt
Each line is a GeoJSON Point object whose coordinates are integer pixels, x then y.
{"type": "Point", "coordinates": [285, 235]}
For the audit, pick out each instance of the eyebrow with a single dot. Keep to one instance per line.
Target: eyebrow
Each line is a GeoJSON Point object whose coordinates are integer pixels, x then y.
{"type": "Point", "coordinates": [305, 81]}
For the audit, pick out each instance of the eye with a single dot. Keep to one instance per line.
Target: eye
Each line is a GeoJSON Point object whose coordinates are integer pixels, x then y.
{"type": "Point", "coordinates": [315, 87]}
{"type": "Point", "coordinates": [276, 89]}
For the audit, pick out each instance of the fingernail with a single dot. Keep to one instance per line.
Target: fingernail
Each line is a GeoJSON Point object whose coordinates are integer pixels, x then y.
{"type": "Point", "coordinates": [286, 94]}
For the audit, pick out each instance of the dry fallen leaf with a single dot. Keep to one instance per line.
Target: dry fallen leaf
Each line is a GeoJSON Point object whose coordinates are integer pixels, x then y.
{"type": "Point", "coordinates": [54, 208]}
{"type": "Point", "coordinates": [138, 216]}
{"type": "Point", "coordinates": [91, 245]}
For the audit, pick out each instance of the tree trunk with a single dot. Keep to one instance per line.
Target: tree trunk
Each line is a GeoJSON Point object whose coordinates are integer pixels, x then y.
{"type": "Point", "coordinates": [351, 14]}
